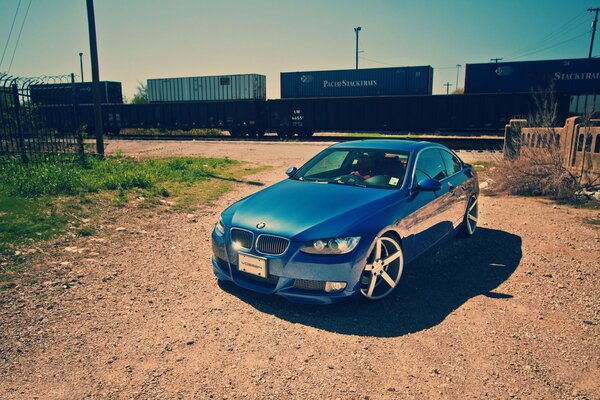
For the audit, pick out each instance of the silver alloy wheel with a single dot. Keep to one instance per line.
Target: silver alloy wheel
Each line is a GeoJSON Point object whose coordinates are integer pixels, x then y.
{"type": "Point", "coordinates": [472, 215]}
{"type": "Point", "coordinates": [383, 270]}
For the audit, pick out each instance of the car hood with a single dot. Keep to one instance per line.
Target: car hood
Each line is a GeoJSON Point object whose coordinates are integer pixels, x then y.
{"type": "Point", "coordinates": [304, 210]}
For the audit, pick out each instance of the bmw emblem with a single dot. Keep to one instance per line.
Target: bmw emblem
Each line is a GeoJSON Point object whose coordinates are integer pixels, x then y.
{"type": "Point", "coordinates": [260, 225]}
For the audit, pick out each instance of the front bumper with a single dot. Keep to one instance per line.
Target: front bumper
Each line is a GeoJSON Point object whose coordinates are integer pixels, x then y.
{"type": "Point", "coordinates": [285, 270]}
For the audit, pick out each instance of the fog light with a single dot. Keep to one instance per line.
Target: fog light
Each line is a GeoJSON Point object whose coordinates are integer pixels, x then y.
{"type": "Point", "coordinates": [334, 286]}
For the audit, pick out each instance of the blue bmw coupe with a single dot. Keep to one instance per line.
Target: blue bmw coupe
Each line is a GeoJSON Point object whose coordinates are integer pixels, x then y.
{"type": "Point", "coordinates": [347, 221]}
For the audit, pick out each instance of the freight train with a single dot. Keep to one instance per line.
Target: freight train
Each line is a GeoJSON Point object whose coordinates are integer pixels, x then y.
{"type": "Point", "coordinates": [377, 100]}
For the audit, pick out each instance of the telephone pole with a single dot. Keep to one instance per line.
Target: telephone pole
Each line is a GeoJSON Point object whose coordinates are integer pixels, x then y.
{"type": "Point", "coordinates": [496, 59]}
{"type": "Point", "coordinates": [457, 70]}
{"type": "Point", "coordinates": [447, 84]}
{"type": "Point", "coordinates": [595, 10]}
{"type": "Point", "coordinates": [81, 65]}
{"type": "Point", "coordinates": [356, 30]}
{"type": "Point", "coordinates": [95, 78]}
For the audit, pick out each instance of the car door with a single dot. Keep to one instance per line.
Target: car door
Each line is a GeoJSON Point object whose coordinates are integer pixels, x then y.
{"type": "Point", "coordinates": [456, 183]}
{"type": "Point", "coordinates": [431, 219]}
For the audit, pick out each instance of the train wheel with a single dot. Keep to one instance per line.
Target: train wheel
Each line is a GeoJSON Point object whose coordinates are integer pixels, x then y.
{"type": "Point", "coordinates": [236, 133]}
{"type": "Point", "coordinates": [306, 133]}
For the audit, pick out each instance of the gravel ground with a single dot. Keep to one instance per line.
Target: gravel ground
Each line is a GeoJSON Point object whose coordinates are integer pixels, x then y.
{"type": "Point", "coordinates": [272, 153]}
{"type": "Point", "coordinates": [134, 312]}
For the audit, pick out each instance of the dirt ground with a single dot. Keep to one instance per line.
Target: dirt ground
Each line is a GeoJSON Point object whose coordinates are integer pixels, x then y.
{"type": "Point", "coordinates": [135, 312]}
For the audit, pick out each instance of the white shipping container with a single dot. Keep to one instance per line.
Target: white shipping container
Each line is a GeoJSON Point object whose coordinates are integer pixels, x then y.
{"type": "Point", "coordinates": [208, 88]}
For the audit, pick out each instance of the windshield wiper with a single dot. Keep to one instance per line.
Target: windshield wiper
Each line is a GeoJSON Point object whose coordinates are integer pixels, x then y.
{"type": "Point", "coordinates": [315, 180]}
{"type": "Point", "coordinates": [346, 183]}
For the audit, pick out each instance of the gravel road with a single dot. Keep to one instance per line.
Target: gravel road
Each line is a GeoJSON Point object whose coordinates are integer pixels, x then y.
{"type": "Point", "coordinates": [134, 312]}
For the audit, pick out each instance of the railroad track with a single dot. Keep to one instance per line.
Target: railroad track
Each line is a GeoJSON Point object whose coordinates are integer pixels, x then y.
{"type": "Point", "coordinates": [455, 143]}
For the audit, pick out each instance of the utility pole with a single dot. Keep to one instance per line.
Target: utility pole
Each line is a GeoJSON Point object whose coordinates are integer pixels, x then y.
{"type": "Point", "coordinates": [496, 59]}
{"type": "Point", "coordinates": [457, 70]}
{"type": "Point", "coordinates": [447, 84]}
{"type": "Point", "coordinates": [95, 79]}
{"type": "Point", "coordinates": [81, 65]}
{"type": "Point", "coordinates": [356, 30]}
{"type": "Point", "coordinates": [595, 10]}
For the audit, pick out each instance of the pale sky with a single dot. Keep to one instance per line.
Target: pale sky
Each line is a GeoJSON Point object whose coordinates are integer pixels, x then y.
{"type": "Point", "coordinates": [141, 39]}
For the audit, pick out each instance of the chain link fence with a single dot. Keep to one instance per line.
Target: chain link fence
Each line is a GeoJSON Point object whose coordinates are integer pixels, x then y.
{"type": "Point", "coordinates": [39, 119]}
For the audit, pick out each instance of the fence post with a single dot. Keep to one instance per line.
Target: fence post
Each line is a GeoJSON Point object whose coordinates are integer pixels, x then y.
{"type": "Point", "coordinates": [76, 125]}
{"type": "Point", "coordinates": [17, 101]}
{"type": "Point", "coordinates": [512, 138]}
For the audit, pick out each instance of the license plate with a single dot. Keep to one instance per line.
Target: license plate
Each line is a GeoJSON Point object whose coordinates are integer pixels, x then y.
{"type": "Point", "coordinates": [252, 265]}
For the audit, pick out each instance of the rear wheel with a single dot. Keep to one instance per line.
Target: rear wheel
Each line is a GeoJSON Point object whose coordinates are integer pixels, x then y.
{"type": "Point", "coordinates": [471, 217]}
{"type": "Point", "coordinates": [383, 270]}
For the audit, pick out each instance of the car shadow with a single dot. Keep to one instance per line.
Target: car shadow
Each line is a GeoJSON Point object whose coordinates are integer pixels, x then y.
{"type": "Point", "coordinates": [223, 178]}
{"type": "Point", "coordinates": [432, 287]}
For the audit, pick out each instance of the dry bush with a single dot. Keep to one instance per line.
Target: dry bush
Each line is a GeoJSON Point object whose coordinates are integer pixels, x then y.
{"type": "Point", "coordinates": [536, 172]}
{"type": "Point", "coordinates": [540, 168]}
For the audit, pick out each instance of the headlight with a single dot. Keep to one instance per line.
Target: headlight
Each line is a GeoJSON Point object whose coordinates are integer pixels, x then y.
{"type": "Point", "coordinates": [331, 246]}
{"type": "Point", "coordinates": [219, 227]}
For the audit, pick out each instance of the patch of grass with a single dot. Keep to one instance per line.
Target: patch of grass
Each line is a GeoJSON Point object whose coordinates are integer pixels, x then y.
{"type": "Point", "coordinates": [482, 168]}
{"type": "Point", "coordinates": [40, 201]}
{"type": "Point", "coordinates": [115, 173]}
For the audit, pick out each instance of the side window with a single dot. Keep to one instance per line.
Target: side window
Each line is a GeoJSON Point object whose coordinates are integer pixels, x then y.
{"type": "Point", "coordinates": [452, 163]}
{"type": "Point", "coordinates": [430, 165]}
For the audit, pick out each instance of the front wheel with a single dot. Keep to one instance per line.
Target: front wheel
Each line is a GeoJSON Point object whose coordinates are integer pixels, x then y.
{"type": "Point", "coordinates": [383, 270]}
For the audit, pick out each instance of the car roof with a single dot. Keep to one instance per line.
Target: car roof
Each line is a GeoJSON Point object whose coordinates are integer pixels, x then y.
{"type": "Point", "coordinates": [387, 144]}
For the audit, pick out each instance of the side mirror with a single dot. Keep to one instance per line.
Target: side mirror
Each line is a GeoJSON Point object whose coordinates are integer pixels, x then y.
{"type": "Point", "coordinates": [291, 171]}
{"type": "Point", "coordinates": [429, 185]}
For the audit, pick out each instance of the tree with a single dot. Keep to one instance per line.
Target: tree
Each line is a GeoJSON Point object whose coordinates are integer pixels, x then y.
{"type": "Point", "coordinates": [141, 96]}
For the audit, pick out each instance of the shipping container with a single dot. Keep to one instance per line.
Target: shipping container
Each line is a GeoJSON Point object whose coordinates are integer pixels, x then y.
{"type": "Point", "coordinates": [577, 76]}
{"type": "Point", "coordinates": [481, 112]}
{"type": "Point", "coordinates": [79, 93]}
{"type": "Point", "coordinates": [357, 82]}
{"type": "Point", "coordinates": [208, 88]}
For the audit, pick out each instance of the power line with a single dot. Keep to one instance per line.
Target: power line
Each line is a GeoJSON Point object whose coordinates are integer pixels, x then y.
{"type": "Point", "coordinates": [378, 62]}
{"type": "Point", "coordinates": [551, 47]}
{"type": "Point", "coordinates": [396, 65]}
{"type": "Point", "coordinates": [555, 34]}
{"type": "Point", "coordinates": [10, 32]}
{"type": "Point", "coordinates": [19, 37]}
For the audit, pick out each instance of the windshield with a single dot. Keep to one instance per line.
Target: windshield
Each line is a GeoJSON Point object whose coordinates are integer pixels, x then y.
{"type": "Point", "coordinates": [374, 168]}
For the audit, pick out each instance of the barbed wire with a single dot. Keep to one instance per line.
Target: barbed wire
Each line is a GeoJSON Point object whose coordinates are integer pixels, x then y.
{"type": "Point", "coordinates": [6, 79]}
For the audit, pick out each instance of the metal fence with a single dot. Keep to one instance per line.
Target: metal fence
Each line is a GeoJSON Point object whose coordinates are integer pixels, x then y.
{"type": "Point", "coordinates": [29, 111]}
